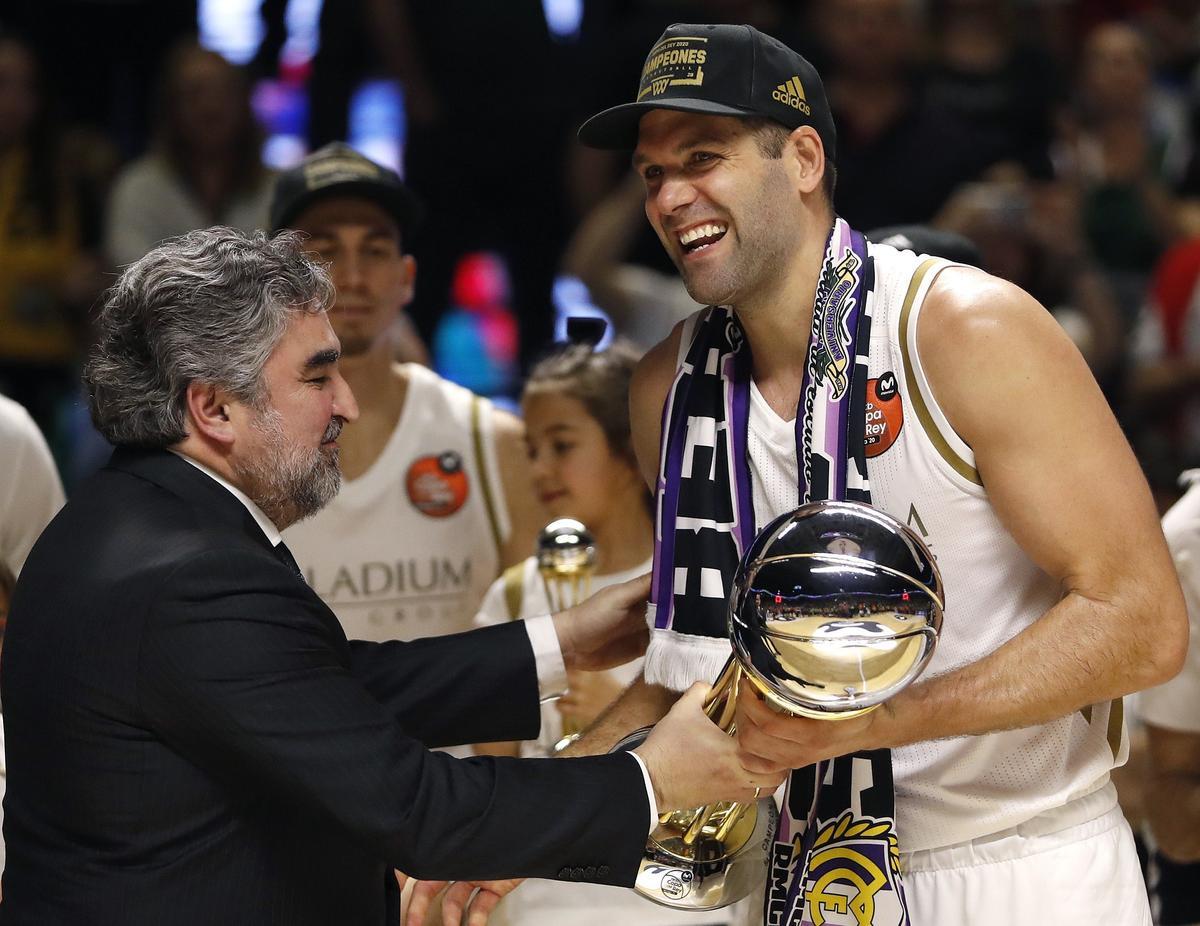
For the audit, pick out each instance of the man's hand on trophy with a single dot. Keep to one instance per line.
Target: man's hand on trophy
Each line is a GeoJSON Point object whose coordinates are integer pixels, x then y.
{"type": "Point", "coordinates": [609, 629]}
{"type": "Point", "coordinates": [771, 741]}
{"type": "Point", "coordinates": [692, 762]}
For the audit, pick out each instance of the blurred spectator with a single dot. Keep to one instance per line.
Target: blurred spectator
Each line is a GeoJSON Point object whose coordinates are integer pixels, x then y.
{"type": "Point", "coordinates": [888, 128]}
{"type": "Point", "coordinates": [475, 344]}
{"type": "Point", "coordinates": [1029, 234]}
{"type": "Point", "coordinates": [922, 239]}
{"type": "Point", "coordinates": [1115, 145]}
{"type": "Point", "coordinates": [205, 168]}
{"type": "Point", "coordinates": [1003, 88]}
{"type": "Point", "coordinates": [30, 490]}
{"type": "Point", "coordinates": [487, 128]}
{"type": "Point", "coordinates": [1164, 386]}
{"type": "Point", "coordinates": [643, 302]}
{"type": "Point", "coordinates": [49, 224]}
{"type": "Point", "coordinates": [105, 57]}
{"type": "Point", "coordinates": [1171, 713]}
{"type": "Point", "coordinates": [1172, 31]}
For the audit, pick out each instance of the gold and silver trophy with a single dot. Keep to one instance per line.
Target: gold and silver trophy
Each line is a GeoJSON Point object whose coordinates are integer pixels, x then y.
{"type": "Point", "coordinates": [834, 608]}
{"type": "Point", "coordinates": [566, 560]}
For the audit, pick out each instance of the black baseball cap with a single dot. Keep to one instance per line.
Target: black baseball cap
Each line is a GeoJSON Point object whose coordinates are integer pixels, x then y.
{"type": "Point", "coordinates": [724, 71]}
{"type": "Point", "coordinates": [339, 170]}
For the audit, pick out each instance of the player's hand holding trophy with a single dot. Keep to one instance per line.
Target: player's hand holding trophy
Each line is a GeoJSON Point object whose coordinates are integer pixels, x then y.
{"type": "Point", "coordinates": [835, 607]}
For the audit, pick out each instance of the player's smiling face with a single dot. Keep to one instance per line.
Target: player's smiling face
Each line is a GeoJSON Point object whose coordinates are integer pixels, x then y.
{"type": "Point", "coordinates": [718, 204]}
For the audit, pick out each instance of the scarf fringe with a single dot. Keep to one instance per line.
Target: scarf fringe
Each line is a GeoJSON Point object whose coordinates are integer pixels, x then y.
{"type": "Point", "coordinates": [677, 660]}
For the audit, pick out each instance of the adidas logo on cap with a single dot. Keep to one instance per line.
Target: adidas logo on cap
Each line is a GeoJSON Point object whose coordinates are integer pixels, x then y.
{"type": "Point", "coordinates": [792, 93]}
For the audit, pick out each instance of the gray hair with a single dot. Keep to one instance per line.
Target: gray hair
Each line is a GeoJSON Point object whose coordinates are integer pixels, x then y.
{"type": "Point", "coordinates": [208, 307]}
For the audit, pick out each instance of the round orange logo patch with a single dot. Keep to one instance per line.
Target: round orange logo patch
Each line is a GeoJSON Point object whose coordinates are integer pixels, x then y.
{"type": "Point", "coordinates": [437, 484]}
{"type": "Point", "coordinates": [885, 414]}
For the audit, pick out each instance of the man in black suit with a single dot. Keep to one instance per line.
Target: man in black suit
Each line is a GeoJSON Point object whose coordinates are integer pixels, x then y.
{"type": "Point", "coordinates": [191, 739]}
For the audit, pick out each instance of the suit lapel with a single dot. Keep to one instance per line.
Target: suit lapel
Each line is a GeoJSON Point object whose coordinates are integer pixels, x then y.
{"type": "Point", "coordinates": [217, 506]}
{"type": "Point", "coordinates": [180, 478]}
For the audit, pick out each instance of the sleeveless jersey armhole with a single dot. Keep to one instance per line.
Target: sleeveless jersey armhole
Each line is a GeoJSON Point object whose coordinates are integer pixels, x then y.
{"type": "Point", "coordinates": [952, 449]}
{"type": "Point", "coordinates": [484, 447]}
{"type": "Point", "coordinates": [514, 589]}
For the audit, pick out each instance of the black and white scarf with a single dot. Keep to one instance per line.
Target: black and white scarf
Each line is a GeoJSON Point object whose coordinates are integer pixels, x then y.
{"type": "Point", "coordinates": [835, 857]}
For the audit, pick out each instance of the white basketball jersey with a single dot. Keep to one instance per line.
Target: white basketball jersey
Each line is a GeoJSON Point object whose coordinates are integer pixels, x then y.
{"type": "Point", "coordinates": [922, 473]}
{"type": "Point", "coordinates": [409, 548]}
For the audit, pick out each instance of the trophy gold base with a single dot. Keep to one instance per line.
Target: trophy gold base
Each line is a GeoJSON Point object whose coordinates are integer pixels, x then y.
{"type": "Point", "coordinates": [705, 865]}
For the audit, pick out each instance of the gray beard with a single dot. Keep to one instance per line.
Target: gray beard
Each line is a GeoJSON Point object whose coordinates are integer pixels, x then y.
{"type": "Point", "coordinates": [288, 484]}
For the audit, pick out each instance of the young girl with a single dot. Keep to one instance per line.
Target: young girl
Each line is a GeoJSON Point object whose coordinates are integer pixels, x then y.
{"type": "Point", "coordinates": [576, 409]}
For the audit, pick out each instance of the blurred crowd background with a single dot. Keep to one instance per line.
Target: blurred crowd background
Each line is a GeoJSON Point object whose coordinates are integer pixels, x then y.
{"type": "Point", "coordinates": [1058, 135]}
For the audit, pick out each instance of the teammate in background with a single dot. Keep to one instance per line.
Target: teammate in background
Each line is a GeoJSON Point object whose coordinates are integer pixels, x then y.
{"type": "Point", "coordinates": [986, 434]}
{"type": "Point", "coordinates": [1171, 713]}
{"type": "Point", "coordinates": [576, 413]}
{"type": "Point", "coordinates": [436, 499]}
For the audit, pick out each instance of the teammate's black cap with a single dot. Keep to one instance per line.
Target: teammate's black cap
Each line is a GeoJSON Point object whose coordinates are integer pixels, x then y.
{"type": "Point", "coordinates": [339, 170]}
{"type": "Point", "coordinates": [724, 71]}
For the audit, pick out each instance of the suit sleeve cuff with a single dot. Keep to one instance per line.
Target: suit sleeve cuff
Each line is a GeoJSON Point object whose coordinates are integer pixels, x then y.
{"type": "Point", "coordinates": [547, 655]}
{"type": "Point", "coordinates": [649, 792]}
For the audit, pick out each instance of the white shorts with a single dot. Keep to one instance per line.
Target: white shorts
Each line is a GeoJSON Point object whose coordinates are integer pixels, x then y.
{"type": "Point", "coordinates": [1085, 874]}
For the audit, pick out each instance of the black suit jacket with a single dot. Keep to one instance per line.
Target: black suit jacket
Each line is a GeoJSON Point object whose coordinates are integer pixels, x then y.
{"type": "Point", "coordinates": [191, 739]}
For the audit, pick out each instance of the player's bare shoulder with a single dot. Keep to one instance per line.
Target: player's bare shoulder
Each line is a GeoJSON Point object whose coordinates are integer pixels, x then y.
{"type": "Point", "coordinates": [983, 341]}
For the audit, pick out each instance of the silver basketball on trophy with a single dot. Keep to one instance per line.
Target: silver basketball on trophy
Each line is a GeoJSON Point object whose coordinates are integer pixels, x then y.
{"type": "Point", "coordinates": [834, 608]}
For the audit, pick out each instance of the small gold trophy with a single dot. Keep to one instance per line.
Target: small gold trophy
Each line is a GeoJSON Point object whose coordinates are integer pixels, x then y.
{"type": "Point", "coordinates": [566, 559]}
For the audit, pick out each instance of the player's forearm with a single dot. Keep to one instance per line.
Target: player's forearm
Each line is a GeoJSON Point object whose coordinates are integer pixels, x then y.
{"type": "Point", "coordinates": [1081, 652]}
{"type": "Point", "coordinates": [1173, 805]}
{"type": "Point", "coordinates": [639, 706]}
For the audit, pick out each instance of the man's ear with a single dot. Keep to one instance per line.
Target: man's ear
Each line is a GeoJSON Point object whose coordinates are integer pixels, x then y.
{"type": "Point", "coordinates": [409, 263]}
{"type": "Point", "coordinates": [209, 411]}
{"type": "Point", "coordinates": [806, 158]}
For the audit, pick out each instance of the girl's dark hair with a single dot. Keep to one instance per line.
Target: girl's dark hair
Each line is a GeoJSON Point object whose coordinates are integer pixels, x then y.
{"type": "Point", "coordinates": [597, 379]}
